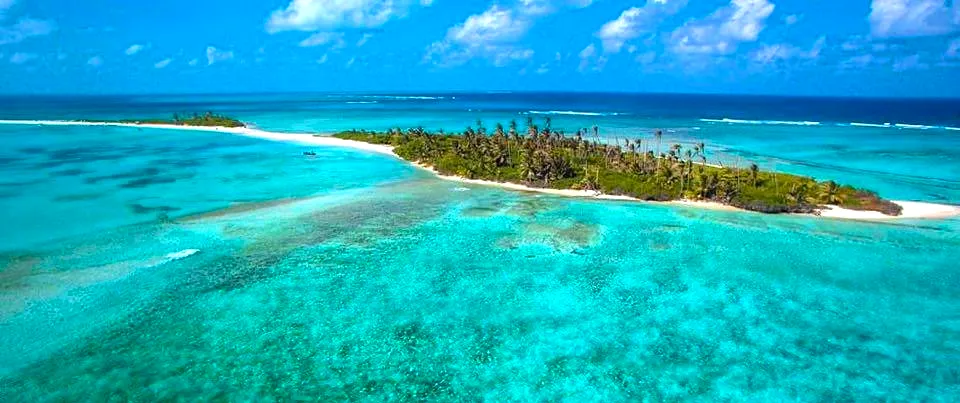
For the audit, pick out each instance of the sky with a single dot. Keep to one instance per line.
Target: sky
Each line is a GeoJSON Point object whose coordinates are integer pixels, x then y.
{"type": "Point", "coordinates": [887, 48]}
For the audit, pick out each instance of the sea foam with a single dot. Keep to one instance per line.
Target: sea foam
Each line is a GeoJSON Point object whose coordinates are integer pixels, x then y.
{"type": "Point", "coordinates": [858, 124]}
{"type": "Point", "coordinates": [182, 254]}
{"type": "Point", "coordinates": [762, 122]}
{"type": "Point", "coordinates": [909, 126]}
{"type": "Point", "coordinates": [573, 113]}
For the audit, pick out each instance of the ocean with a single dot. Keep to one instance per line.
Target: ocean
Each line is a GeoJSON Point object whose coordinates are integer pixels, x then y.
{"type": "Point", "coordinates": [148, 264]}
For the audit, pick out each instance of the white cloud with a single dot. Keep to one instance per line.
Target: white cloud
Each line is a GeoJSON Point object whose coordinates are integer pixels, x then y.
{"type": "Point", "coordinates": [24, 28]}
{"type": "Point", "coordinates": [913, 18]}
{"type": "Point", "coordinates": [590, 56]}
{"type": "Point", "coordinates": [351, 61]}
{"type": "Point", "coordinates": [493, 34]}
{"type": "Point", "coordinates": [791, 19]}
{"type": "Point", "coordinates": [544, 69]}
{"type": "Point", "coordinates": [496, 25]}
{"type": "Point", "coordinates": [863, 61]}
{"type": "Point", "coordinates": [363, 39]}
{"type": "Point", "coordinates": [95, 61]}
{"type": "Point", "coordinates": [721, 32]}
{"type": "Point", "coordinates": [314, 15]}
{"type": "Point", "coordinates": [909, 63]}
{"type": "Point", "coordinates": [767, 54]}
{"type": "Point", "coordinates": [133, 49]}
{"type": "Point", "coordinates": [163, 63]}
{"type": "Point", "coordinates": [636, 21]}
{"type": "Point", "coordinates": [488, 35]}
{"type": "Point", "coordinates": [194, 62]}
{"type": "Point", "coordinates": [216, 55]}
{"type": "Point", "coordinates": [322, 59]}
{"type": "Point", "coordinates": [953, 48]}
{"type": "Point", "coordinates": [323, 38]}
{"type": "Point", "coordinates": [21, 58]}
{"type": "Point", "coordinates": [505, 57]}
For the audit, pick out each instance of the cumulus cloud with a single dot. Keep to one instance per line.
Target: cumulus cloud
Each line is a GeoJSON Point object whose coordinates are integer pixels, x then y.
{"type": "Point", "coordinates": [314, 15]}
{"type": "Point", "coordinates": [913, 18]}
{"type": "Point", "coordinates": [590, 59]}
{"type": "Point", "coordinates": [194, 62]}
{"type": "Point", "coordinates": [163, 63]}
{"type": "Point", "coordinates": [363, 39]}
{"type": "Point", "coordinates": [133, 49]}
{"type": "Point", "coordinates": [953, 48]}
{"type": "Point", "coordinates": [490, 34]}
{"type": "Point", "coordinates": [323, 38]}
{"type": "Point", "coordinates": [768, 54]}
{"type": "Point", "coordinates": [863, 61]}
{"type": "Point", "coordinates": [95, 61]}
{"type": "Point", "coordinates": [494, 34]}
{"type": "Point", "coordinates": [215, 55]}
{"type": "Point", "coordinates": [636, 21]}
{"type": "Point", "coordinates": [21, 58]}
{"type": "Point", "coordinates": [723, 30]}
{"type": "Point", "coordinates": [911, 62]}
{"type": "Point", "coordinates": [24, 28]}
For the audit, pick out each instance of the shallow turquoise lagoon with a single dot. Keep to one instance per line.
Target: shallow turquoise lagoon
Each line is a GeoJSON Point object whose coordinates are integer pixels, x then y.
{"type": "Point", "coordinates": [149, 265]}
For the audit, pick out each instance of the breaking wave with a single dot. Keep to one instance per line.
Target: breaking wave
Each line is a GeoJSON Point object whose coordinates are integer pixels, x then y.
{"type": "Point", "coordinates": [573, 113]}
{"type": "Point", "coordinates": [810, 123]}
{"type": "Point", "coordinates": [761, 122]}
{"type": "Point", "coordinates": [902, 126]}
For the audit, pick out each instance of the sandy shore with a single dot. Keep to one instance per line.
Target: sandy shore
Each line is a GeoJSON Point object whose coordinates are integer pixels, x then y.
{"type": "Point", "coordinates": [911, 209]}
{"type": "Point", "coordinates": [300, 138]}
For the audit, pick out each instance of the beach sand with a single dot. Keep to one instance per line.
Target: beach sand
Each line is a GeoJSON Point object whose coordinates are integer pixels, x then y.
{"type": "Point", "coordinates": [911, 209]}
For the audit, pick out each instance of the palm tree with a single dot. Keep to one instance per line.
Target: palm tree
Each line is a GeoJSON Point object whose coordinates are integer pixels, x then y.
{"type": "Point", "coordinates": [754, 173]}
{"type": "Point", "coordinates": [830, 193]}
{"type": "Point", "coordinates": [799, 192]}
{"type": "Point", "coordinates": [658, 134]}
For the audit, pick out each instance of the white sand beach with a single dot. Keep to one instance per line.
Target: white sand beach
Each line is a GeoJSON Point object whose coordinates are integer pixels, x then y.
{"type": "Point", "coordinates": [911, 209]}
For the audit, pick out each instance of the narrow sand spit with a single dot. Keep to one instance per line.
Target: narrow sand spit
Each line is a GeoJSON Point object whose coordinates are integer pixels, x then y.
{"type": "Point", "coordinates": [911, 209]}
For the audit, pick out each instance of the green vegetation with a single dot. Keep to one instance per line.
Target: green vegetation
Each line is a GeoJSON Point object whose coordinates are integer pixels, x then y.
{"type": "Point", "coordinates": [207, 119]}
{"type": "Point", "coordinates": [546, 158]}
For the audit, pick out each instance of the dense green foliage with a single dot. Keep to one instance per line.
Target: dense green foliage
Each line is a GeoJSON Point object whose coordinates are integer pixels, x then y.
{"type": "Point", "coordinates": [207, 119]}
{"type": "Point", "coordinates": [546, 158]}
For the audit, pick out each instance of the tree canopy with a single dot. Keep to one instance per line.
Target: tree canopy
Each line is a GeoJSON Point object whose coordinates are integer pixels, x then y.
{"type": "Point", "coordinates": [547, 158]}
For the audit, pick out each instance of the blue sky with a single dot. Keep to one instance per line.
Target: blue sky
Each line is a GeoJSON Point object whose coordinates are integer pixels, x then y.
{"type": "Point", "coordinates": [826, 47]}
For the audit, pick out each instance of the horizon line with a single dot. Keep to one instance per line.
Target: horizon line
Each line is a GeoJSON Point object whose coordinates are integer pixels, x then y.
{"type": "Point", "coordinates": [481, 92]}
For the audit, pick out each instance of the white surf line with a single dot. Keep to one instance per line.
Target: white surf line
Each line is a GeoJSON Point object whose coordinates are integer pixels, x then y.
{"type": "Point", "coordinates": [911, 209]}
{"type": "Point", "coordinates": [301, 138]}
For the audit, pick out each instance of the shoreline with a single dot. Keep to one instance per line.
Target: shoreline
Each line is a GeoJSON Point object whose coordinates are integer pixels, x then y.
{"type": "Point", "coordinates": [911, 209]}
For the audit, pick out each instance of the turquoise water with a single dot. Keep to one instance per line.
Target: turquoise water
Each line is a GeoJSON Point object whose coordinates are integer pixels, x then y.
{"type": "Point", "coordinates": [352, 276]}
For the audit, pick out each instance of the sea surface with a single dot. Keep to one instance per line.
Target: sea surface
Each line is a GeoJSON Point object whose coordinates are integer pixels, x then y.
{"type": "Point", "coordinates": [150, 264]}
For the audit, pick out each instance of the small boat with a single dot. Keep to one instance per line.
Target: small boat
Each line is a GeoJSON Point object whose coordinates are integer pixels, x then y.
{"type": "Point", "coordinates": [310, 153]}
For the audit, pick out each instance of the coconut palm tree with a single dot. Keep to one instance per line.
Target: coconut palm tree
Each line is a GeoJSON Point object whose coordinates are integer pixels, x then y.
{"type": "Point", "coordinates": [658, 134]}
{"type": "Point", "coordinates": [754, 174]}
{"type": "Point", "coordinates": [830, 193]}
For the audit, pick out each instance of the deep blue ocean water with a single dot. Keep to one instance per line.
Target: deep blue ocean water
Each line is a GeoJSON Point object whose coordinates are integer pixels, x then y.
{"type": "Point", "coordinates": [140, 264]}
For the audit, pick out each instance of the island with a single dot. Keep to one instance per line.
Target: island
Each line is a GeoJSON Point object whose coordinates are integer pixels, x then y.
{"type": "Point", "coordinates": [545, 158]}
{"type": "Point", "coordinates": [208, 119]}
